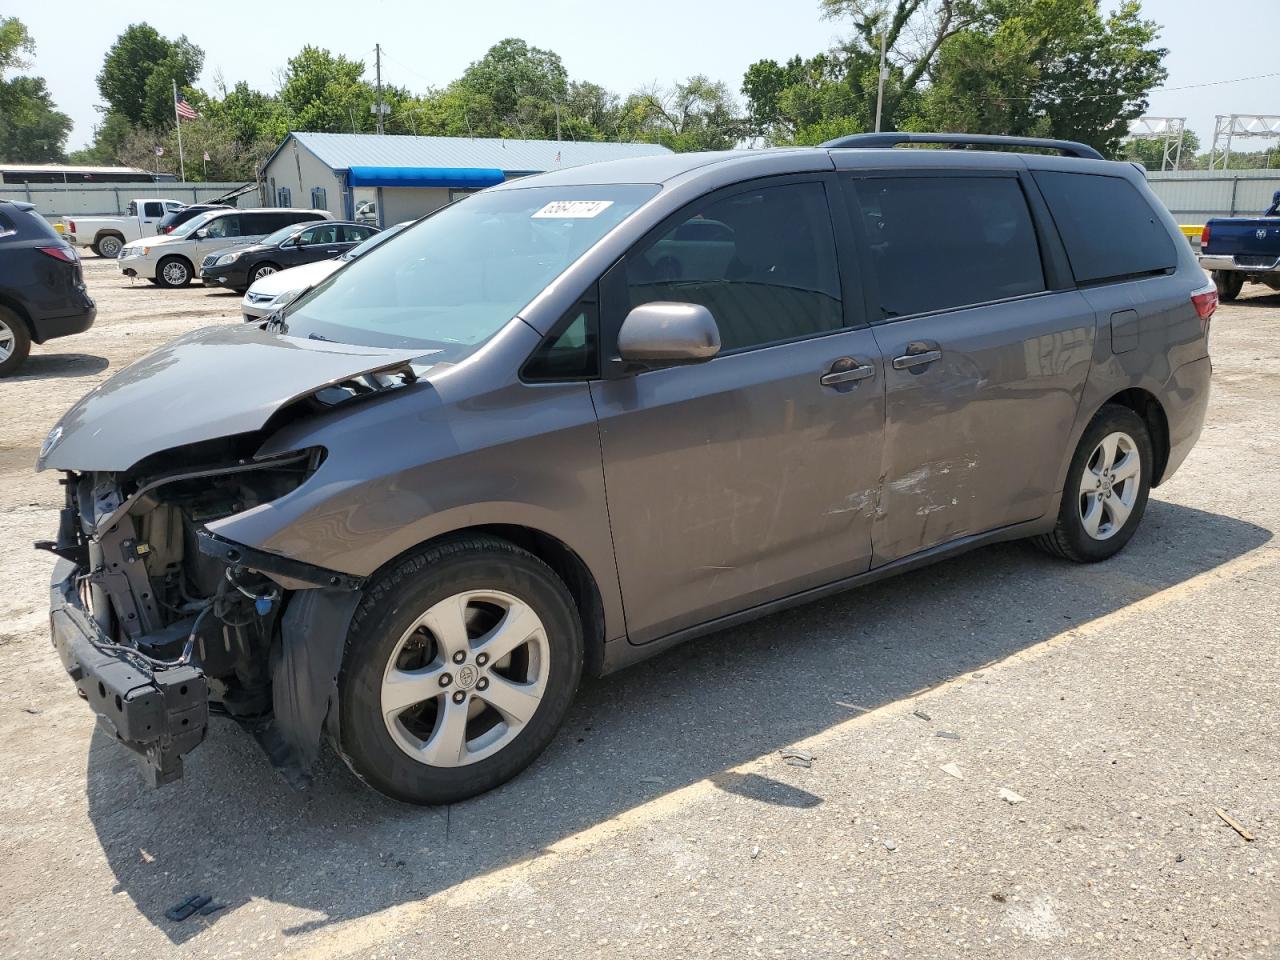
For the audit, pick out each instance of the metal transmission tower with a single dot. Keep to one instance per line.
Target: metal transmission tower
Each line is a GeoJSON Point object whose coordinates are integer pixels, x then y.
{"type": "Point", "coordinates": [1228, 127]}
{"type": "Point", "coordinates": [1170, 130]}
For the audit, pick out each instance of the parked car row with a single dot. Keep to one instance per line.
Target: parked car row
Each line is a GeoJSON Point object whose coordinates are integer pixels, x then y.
{"type": "Point", "coordinates": [176, 259]}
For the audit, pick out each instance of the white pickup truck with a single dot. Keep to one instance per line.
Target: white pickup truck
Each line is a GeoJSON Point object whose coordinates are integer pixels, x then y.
{"type": "Point", "coordinates": [106, 235]}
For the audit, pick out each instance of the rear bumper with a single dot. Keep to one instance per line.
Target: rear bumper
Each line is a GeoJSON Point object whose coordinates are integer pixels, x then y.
{"type": "Point", "coordinates": [1185, 400]}
{"type": "Point", "coordinates": [1219, 262]}
{"type": "Point", "coordinates": [160, 714]}
{"type": "Point", "coordinates": [66, 325]}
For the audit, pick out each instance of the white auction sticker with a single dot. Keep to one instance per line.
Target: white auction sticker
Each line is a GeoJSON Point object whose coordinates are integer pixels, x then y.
{"type": "Point", "coordinates": [572, 209]}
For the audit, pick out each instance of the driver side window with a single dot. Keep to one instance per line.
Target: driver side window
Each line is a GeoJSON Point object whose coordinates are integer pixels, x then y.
{"type": "Point", "coordinates": [762, 261]}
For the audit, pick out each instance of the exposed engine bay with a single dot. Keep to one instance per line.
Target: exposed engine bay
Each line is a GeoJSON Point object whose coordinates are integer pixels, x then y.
{"type": "Point", "coordinates": [170, 621]}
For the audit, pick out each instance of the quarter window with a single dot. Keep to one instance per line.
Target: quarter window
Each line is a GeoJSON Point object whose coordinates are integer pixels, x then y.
{"type": "Point", "coordinates": [937, 243]}
{"type": "Point", "coordinates": [763, 262]}
{"type": "Point", "coordinates": [570, 352]}
{"type": "Point", "coordinates": [1108, 228]}
{"type": "Point", "coordinates": [223, 227]}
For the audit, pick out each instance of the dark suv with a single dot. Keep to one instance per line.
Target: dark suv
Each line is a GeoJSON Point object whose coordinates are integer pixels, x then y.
{"type": "Point", "coordinates": [42, 291]}
{"type": "Point", "coordinates": [571, 420]}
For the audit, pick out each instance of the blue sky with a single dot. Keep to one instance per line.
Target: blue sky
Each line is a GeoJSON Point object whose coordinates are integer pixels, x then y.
{"type": "Point", "coordinates": [430, 43]}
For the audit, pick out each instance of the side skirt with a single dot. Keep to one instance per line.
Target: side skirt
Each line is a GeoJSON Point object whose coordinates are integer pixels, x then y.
{"type": "Point", "coordinates": [620, 653]}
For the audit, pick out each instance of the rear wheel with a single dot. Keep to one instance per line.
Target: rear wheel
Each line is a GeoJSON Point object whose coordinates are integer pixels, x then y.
{"type": "Point", "coordinates": [173, 272]}
{"type": "Point", "coordinates": [108, 246]}
{"type": "Point", "coordinates": [1106, 490]}
{"type": "Point", "coordinates": [1229, 283]}
{"type": "Point", "coordinates": [15, 342]}
{"type": "Point", "coordinates": [460, 666]}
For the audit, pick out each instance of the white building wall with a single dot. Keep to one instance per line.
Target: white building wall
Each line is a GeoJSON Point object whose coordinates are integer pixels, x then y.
{"type": "Point", "coordinates": [297, 169]}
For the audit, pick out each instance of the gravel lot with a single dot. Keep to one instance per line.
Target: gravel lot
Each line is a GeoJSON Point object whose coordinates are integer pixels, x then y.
{"type": "Point", "coordinates": [1124, 702]}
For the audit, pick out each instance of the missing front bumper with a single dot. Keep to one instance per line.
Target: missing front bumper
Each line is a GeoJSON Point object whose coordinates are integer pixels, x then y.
{"type": "Point", "coordinates": [161, 714]}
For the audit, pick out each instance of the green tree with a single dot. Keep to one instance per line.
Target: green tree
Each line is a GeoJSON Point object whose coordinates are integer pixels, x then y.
{"type": "Point", "coordinates": [696, 114]}
{"type": "Point", "coordinates": [524, 86]}
{"type": "Point", "coordinates": [328, 94]}
{"type": "Point", "coordinates": [1150, 153]}
{"type": "Point", "coordinates": [137, 76]}
{"type": "Point", "coordinates": [1055, 68]}
{"type": "Point", "coordinates": [32, 129]}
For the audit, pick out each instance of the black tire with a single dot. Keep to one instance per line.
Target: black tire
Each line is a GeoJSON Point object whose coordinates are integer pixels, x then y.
{"type": "Point", "coordinates": [392, 602]}
{"type": "Point", "coordinates": [174, 272]}
{"type": "Point", "coordinates": [261, 270]}
{"type": "Point", "coordinates": [15, 338]}
{"type": "Point", "coordinates": [108, 245]}
{"type": "Point", "coordinates": [1070, 539]}
{"type": "Point", "coordinates": [1229, 284]}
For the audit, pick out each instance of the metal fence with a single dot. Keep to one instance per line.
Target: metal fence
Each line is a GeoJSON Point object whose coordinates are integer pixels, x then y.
{"type": "Point", "coordinates": [1193, 196]}
{"type": "Point", "coordinates": [53, 200]}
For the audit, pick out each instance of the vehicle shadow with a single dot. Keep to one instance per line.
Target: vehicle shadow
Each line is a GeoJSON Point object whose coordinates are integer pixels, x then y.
{"type": "Point", "coordinates": [1270, 299]}
{"type": "Point", "coordinates": [234, 830]}
{"type": "Point", "coordinates": [39, 366]}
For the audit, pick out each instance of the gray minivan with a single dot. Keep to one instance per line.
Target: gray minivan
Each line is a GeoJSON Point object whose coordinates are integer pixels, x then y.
{"type": "Point", "coordinates": [579, 417]}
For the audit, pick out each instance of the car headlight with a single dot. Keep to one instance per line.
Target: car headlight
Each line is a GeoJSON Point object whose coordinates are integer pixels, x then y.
{"type": "Point", "coordinates": [226, 258]}
{"type": "Point", "coordinates": [145, 251]}
{"type": "Point", "coordinates": [287, 297]}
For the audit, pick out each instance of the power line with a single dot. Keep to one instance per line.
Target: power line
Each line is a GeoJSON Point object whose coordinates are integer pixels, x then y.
{"type": "Point", "coordinates": [1189, 86]}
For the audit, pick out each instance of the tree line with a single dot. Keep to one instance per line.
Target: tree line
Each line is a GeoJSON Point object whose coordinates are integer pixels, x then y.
{"type": "Point", "coordinates": [1054, 68]}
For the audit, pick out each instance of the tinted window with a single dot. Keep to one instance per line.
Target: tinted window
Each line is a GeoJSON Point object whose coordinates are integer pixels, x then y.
{"type": "Point", "coordinates": [1107, 226]}
{"type": "Point", "coordinates": [942, 242]}
{"type": "Point", "coordinates": [570, 352]}
{"type": "Point", "coordinates": [352, 234]}
{"type": "Point", "coordinates": [317, 235]}
{"type": "Point", "coordinates": [763, 263]}
{"type": "Point", "coordinates": [221, 227]}
{"type": "Point", "coordinates": [153, 208]}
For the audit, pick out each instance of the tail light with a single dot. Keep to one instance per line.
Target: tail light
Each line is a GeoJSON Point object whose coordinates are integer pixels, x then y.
{"type": "Point", "coordinates": [65, 254]}
{"type": "Point", "coordinates": [1205, 300]}
{"type": "Point", "coordinates": [1204, 237]}
{"type": "Point", "coordinates": [167, 229]}
{"type": "Point", "coordinates": [71, 226]}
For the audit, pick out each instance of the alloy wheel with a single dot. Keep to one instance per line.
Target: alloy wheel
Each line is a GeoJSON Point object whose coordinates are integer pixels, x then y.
{"type": "Point", "coordinates": [465, 678]}
{"type": "Point", "coordinates": [1109, 486]}
{"type": "Point", "coordinates": [109, 247]}
{"type": "Point", "coordinates": [175, 273]}
{"type": "Point", "coordinates": [263, 272]}
{"type": "Point", "coordinates": [7, 341]}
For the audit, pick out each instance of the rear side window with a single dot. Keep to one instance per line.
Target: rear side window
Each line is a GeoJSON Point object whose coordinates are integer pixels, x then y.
{"type": "Point", "coordinates": [221, 227]}
{"type": "Point", "coordinates": [937, 243]}
{"type": "Point", "coordinates": [1107, 226]}
{"type": "Point", "coordinates": [763, 262]}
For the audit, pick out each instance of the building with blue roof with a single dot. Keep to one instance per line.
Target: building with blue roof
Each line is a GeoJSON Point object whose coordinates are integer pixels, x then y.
{"type": "Point", "coordinates": [393, 178]}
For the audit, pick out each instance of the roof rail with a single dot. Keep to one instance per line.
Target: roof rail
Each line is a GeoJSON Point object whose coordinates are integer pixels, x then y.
{"type": "Point", "coordinates": [958, 141]}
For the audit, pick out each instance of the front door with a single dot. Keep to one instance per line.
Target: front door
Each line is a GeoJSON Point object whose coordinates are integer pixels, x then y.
{"type": "Point", "coordinates": [752, 476]}
{"type": "Point", "coordinates": [984, 366]}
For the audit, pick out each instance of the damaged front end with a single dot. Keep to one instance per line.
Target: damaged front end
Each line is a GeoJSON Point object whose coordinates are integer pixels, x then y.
{"type": "Point", "coordinates": [160, 622]}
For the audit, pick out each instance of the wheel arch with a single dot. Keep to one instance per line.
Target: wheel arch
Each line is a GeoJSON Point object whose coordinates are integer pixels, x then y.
{"type": "Point", "coordinates": [177, 256]}
{"type": "Point", "coordinates": [18, 310]}
{"type": "Point", "coordinates": [1148, 407]}
{"type": "Point", "coordinates": [107, 232]}
{"type": "Point", "coordinates": [567, 564]}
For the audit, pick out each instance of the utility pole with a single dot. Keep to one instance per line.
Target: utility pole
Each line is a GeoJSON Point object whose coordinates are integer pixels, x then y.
{"type": "Point", "coordinates": [377, 53]}
{"type": "Point", "coordinates": [880, 89]}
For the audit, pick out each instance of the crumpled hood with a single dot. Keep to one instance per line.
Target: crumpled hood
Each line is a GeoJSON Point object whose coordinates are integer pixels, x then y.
{"type": "Point", "coordinates": [213, 382]}
{"type": "Point", "coordinates": [295, 278]}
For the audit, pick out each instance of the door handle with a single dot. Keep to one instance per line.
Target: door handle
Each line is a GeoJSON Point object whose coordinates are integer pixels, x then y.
{"type": "Point", "coordinates": [909, 360]}
{"type": "Point", "coordinates": [847, 370]}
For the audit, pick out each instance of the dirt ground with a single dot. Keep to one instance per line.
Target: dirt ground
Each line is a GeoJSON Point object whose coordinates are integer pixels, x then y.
{"type": "Point", "coordinates": [1123, 704]}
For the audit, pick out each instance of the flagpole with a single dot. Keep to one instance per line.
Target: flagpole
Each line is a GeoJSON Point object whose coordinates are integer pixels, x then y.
{"type": "Point", "coordinates": [182, 165]}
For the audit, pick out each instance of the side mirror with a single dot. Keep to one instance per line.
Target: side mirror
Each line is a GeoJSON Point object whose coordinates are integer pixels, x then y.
{"type": "Point", "coordinates": [201, 234]}
{"type": "Point", "coordinates": [663, 332]}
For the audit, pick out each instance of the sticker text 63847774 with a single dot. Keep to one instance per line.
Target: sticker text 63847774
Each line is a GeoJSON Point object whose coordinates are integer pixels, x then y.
{"type": "Point", "coordinates": [572, 209]}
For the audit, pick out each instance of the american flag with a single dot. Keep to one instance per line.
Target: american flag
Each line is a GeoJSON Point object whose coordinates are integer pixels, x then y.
{"type": "Point", "coordinates": [185, 110]}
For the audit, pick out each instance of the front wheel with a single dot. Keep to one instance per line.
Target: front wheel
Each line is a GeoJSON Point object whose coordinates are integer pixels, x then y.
{"type": "Point", "coordinates": [1106, 490]}
{"type": "Point", "coordinates": [262, 270]}
{"type": "Point", "coordinates": [173, 272]}
{"type": "Point", "coordinates": [1229, 284]}
{"type": "Point", "coordinates": [460, 665]}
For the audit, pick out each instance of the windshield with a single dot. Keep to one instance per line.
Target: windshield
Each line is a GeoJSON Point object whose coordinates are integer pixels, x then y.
{"type": "Point", "coordinates": [364, 246]}
{"type": "Point", "coordinates": [194, 224]}
{"type": "Point", "coordinates": [453, 280]}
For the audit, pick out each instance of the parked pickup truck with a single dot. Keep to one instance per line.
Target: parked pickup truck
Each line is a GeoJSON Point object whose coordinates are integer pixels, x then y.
{"type": "Point", "coordinates": [106, 235]}
{"type": "Point", "coordinates": [1236, 249]}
